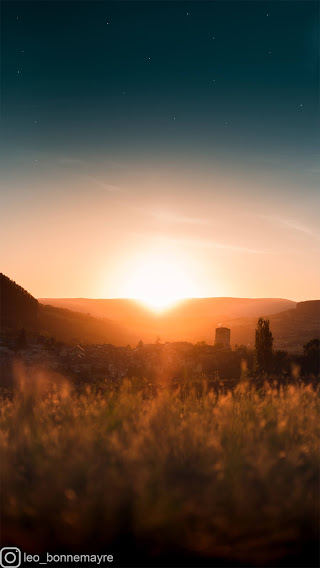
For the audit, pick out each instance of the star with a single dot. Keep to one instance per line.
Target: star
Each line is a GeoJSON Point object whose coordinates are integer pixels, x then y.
{"type": "Point", "coordinates": [35, 121]}
{"type": "Point", "coordinates": [187, 13]}
{"type": "Point", "coordinates": [212, 37]}
{"type": "Point", "coordinates": [107, 23]}
{"type": "Point", "coordinates": [301, 104]}
{"type": "Point", "coordinates": [174, 118]}
{"type": "Point", "coordinates": [18, 72]}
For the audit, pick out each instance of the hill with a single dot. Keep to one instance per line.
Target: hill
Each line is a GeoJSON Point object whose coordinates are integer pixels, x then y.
{"type": "Point", "coordinates": [191, 320]}
{"type": "Point", "coordinates": [18, 309]}
{"type": "Point", "coordinates": [68, 326]}
{"type": "Point", "coordinates": [125, 321]}
{"type": "Point", "coordinates": [291, 329]}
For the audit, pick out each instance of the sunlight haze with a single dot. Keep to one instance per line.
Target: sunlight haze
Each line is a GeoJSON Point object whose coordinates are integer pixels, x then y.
{"type": "Point", "coordinates": [222, 235]}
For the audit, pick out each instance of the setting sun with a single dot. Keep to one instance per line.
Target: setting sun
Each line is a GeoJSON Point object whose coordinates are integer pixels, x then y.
{"type": "Point", "coordinates": [159, 282]}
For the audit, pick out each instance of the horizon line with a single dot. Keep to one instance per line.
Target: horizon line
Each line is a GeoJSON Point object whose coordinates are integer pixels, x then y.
{"type": "Point", "coordinates": [178, 299]}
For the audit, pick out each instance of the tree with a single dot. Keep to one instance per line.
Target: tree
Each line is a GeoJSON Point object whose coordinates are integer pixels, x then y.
{"type": "Point", "coordinates": [312, 357]}
{"type": "Point", "coordinates": [140, 343]}
{"type": "Point", "coordinates": [281, 363]}
{"type": "Point", "coordinates": [158, 340]}
{"type": "Point", "coordinates": [263, 345]}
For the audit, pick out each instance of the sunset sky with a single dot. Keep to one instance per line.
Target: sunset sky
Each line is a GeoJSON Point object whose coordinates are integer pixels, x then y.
{"type": "Point", "coordinates": [152, 146]}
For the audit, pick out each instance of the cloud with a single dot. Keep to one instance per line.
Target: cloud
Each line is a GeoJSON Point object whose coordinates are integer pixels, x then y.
{"type": "Point", "coordinates": [81, 171]}
{"type": "Point", "coordinates": [170, 217]}
{"type": "Point", "coordinates": [103, 185]}
{"type": "Point", "coordinates": [213, 244]}
{"type": "Point", "coordinates": [290, 224]}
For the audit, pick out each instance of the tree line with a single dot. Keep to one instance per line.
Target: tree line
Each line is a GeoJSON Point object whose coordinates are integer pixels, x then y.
{"type": "Point", "coordinates": [266, 360]}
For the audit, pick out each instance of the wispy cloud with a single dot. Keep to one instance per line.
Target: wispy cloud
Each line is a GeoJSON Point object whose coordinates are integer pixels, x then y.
{"type": "Point", "coordinates": [213, 244]}
{"type": "Point", "coordinates": [102, 184]}
{"type": "Point", "coordinates": [170, 217]}
{"type": "Point", "coordinates": [83, 169]}
{"type": "Point", "coordinates": [291, 224]}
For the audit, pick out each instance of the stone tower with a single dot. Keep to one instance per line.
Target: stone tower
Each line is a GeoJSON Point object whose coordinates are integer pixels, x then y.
{"type": "Point", "coordinates": [222, 337]}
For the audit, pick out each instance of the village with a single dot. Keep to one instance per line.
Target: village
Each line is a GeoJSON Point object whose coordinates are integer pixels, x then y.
{"type": "Point", "coordinates": [157, 361]}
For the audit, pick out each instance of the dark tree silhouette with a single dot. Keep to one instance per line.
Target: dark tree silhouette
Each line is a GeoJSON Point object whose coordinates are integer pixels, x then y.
{"type": "Point", "coordinates": [263, 346]}
{"type": "Point", "coordinates": [312, 357]}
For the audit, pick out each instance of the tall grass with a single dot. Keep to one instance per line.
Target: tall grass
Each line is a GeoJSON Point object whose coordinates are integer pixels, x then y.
{"type": "Point", "coordinates": [230, 479]}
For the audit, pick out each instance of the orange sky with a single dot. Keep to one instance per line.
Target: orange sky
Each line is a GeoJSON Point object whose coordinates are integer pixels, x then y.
{"type": "Point", "coordinates": [165, 164]}
{"type": "Point", "coordinates": [147, 232]}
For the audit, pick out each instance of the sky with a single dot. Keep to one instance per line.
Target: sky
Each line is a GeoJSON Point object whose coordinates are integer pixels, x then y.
{"type": "Point", "coordinates": [153, 148]}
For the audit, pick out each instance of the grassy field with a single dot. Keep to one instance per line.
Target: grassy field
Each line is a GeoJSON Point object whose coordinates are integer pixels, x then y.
{"type": "Point", "coordinates": [179, 478]}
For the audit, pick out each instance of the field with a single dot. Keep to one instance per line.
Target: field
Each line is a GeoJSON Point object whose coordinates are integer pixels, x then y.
{"type": "Point", "coordinates": [183, 477]}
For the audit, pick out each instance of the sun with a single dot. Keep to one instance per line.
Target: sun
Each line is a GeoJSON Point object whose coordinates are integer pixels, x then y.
{"type": "Point", "coordinates": [159, 282]}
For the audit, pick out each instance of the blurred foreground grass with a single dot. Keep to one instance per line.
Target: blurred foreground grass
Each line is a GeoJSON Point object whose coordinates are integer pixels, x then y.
{"type": "Point", "coordinates": [180, 477]}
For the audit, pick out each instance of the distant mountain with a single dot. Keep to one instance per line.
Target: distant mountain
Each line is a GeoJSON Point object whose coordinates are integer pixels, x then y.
{"type": "Point", "coordinates": [190, 320]}
{"type": "Point", "coordinates": [291, 329]}
{"type": "Point", "coordinates": [76, 327]}
{"type": "Point", "coordinates": [124, 309]}
{"type": "Point", "coordinates": [296, 327]}
{"type": "Point", "coordinates": [124, 321]}
{"type": "Point", "coordinates": [18, 309]}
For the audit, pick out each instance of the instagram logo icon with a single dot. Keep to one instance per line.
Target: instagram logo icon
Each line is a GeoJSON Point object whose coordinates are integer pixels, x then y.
{"type": "Point", "coordinates": [10, 556]}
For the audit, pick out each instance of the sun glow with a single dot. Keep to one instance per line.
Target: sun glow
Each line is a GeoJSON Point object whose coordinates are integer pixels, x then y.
{"type": "Point", "coordinates": [159, 282]}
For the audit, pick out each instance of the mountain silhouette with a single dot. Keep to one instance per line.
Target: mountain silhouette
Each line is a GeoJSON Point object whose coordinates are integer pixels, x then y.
{"type": "Point", "coordinates": [126, 321]}
{"type": "Point", "coordinates": [195, 319]}
{"type": "Point", "coordinates": [19, 309]}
